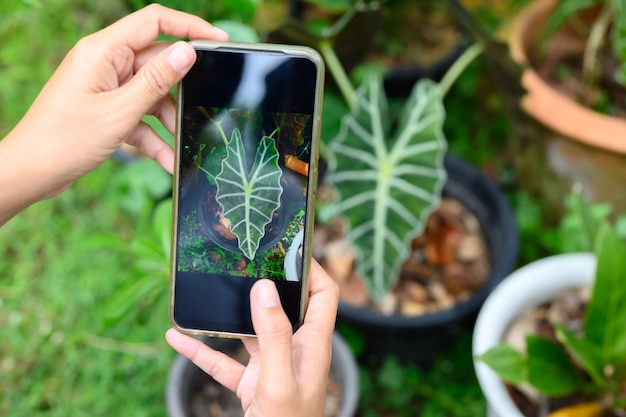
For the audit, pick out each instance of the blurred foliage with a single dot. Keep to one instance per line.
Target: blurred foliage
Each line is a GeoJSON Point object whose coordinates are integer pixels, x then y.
{"type": "Point", "coordinates": [492, 13]}
{"type": "Point", "coordinates": [36, 35]}
{"type": "Point", "coordinates": [239, 10]}
{"type": "Point", "coordinates": [539, 239]}
{"type": "Point", "coordinates": [447, 388]}
{"type": "Point", "coordinates": [57, 357]}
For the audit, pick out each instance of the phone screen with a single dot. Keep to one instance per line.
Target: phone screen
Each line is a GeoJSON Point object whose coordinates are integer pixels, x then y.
{"type": "Point", "coordinates": [246, 170]}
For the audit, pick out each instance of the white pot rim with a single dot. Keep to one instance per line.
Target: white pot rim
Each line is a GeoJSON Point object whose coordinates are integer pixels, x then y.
{"type": "Point", "coordinates": [525, 288]}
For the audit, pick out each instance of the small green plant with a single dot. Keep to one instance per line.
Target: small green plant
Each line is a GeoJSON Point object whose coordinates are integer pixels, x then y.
{"type": "Point", "coordinates": [446, 388]}
{"type": "Point", "coordinates": [591, 360]}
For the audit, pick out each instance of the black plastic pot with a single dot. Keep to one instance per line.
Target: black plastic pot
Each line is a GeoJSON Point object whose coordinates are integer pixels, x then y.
{"type": "Point", "coordinates": [422, 338]}
{"type": "Point", "coordinates": [278, 225]}
{"type": "Point", "coordinates": [185, 378]}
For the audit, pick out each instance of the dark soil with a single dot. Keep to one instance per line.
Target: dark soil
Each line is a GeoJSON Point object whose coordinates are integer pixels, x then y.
{"type": "Point", "coordinates": [447, 265]}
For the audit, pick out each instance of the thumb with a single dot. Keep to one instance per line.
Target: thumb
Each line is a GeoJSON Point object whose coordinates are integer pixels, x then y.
{"type": "Point", "coordinates": [159, 75]}
{"type": "Point", "coordinates": [274, 333]}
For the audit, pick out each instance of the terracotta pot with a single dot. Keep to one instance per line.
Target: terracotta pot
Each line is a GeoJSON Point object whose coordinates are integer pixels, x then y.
{"type": "Point", "coordinates": [546, 104]}
{"type": "Point", "coordinates": [570, 143]}
{"type": "Point", "coordinates": [521, 291]}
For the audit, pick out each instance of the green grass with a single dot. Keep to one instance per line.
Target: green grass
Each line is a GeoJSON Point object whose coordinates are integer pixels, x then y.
{"type": "Point", "coordinates": [36, 35]}
{"type": "Point", "coordinates": [57, 356]}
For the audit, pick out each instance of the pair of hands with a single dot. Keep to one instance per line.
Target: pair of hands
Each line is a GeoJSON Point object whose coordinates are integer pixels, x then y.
{"type": "Point", "coordinates": [92, 104]}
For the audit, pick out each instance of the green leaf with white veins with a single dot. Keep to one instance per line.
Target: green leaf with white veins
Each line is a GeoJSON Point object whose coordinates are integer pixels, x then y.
{"type": "Point", "coordinates": [249, 196]}
{"type": "Point", "coordinates": [388, 180]}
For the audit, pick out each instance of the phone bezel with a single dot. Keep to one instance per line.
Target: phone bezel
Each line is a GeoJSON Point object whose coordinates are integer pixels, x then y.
{"type": "Point", "coordinates": [290, 50]}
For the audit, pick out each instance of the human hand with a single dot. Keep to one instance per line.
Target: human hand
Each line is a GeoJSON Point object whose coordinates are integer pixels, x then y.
{"type": "Point", "coordinates": [95, 100]}
{"type": "Point", "coordinates": [287, 373]}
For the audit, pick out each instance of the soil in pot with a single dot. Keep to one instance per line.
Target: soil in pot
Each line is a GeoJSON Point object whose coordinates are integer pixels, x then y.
{"type": "Point", "coordinates": [560, 63]}
{"type": "Point", "coordinates": [213, 400]}
{"type": "Point", "coordinates": [567, 308]}
{"type": "Point", "coordinates": [447, 265]}
{"type": "Point", "coordinates": [559, 142]}
{"type": "Point", "coordinates": [218, 227]}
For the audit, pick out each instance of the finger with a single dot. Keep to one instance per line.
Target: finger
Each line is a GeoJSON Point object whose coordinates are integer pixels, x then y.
{"type": "Point", "coordinates": [147, 53]}
{"type": "Point", "coordinates": [221, 367]}
{"type": "Point", "coordinates": [159, 75]}
{"type": "Point", "coordinates": [274, 333]}
{"type": "Point", "coordinates": [144, 138]}
{"type": "Point", "coordinates": [165, 111]}
{"type": "Point", "coordinates": [154, 80]}
{"type": "Point", "coordinates": [141, 28]}
{"type": "Point", "coordinates": [319, 324]}
{"type": "Point", "coordinates": [252, 345]}
{"type": "Point", "coordinates": [323, 299]}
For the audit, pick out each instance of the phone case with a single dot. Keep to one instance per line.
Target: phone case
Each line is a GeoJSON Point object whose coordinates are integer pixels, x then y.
{"type": "Point", "coordinates": [289, 50]}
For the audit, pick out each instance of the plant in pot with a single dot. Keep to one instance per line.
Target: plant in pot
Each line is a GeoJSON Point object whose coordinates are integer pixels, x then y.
{"type": "Point", "coordinates": [551, 338]}
{"type": "Point", "coordinates": [386, 176]}
{"type": "Point", "coordinates": [574, 53]}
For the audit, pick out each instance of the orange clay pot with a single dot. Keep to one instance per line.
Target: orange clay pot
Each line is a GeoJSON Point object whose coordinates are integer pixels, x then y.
{"type": "Point", "coordinates": [550, 107]}
{"type": "Point", "coordinates": [568, 143]}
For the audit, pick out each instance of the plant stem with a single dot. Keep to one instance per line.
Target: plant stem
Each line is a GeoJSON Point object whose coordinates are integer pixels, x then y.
{"type": "Point", "coordinates": [339, 74]}
{"type": "Point", "coordinates": [594, 43]}
{"type": "Point", "coordinates": [459, 66]}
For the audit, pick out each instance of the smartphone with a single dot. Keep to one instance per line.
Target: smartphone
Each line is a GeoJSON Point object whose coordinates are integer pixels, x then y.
{"type": "Point", "coordinates": [245, 178]}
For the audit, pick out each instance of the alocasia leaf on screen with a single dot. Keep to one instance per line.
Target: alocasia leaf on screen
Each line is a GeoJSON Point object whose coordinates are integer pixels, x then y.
{"type": "Point", "coordinates": [249, 195]}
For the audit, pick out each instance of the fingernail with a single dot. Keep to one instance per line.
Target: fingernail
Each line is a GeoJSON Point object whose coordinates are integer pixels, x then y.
{"type": "Point", "coordinates": [221, 32]}
{"type": "Point", "coordinates": [267, 296]}
{"type": "Point", "coordinates": [181, 56]}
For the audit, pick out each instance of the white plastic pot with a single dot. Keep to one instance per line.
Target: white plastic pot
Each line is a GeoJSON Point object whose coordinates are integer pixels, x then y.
{"type": "Point", "coordinates": [524, 289]}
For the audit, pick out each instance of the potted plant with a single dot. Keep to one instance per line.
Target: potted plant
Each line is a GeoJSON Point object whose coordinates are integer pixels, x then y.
{"type": "Point", "coordinates": [386, 174]}
{"type": "Point", "coordinates": [573, 54]}
{"type": "Point", "coordinates": [569, 356]}
{"type": "Point", "coordinates": [192, 393]}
